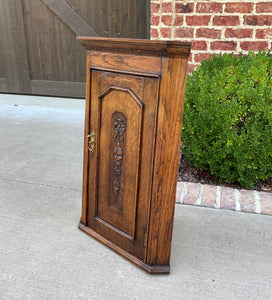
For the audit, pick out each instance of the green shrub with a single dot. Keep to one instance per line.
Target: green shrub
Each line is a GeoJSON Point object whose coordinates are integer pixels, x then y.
{"type": "Point", "coordinates": [227, 125]}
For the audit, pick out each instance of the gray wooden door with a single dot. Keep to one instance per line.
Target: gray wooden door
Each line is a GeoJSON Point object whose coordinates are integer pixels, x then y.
{"type": "Point", "coordinates": [39, 53]}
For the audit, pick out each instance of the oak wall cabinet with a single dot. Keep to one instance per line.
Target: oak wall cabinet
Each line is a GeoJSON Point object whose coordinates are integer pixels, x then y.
{"type": "Point", "coordinates": [134, 107]}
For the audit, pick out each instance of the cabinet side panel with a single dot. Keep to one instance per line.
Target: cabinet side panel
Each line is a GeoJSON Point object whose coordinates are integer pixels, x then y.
{"type": "Point", "coordinates": [86, 130]}
{"type": "Point", "coordinates": [169, 124]}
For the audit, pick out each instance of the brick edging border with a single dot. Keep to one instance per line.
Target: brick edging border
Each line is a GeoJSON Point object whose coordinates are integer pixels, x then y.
{"type": "Point", "coordinates": [213, 196]}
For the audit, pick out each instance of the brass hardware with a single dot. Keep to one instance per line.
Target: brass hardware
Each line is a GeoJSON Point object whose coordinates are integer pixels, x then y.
{"type": "Point", "coordinates": [91, 145]}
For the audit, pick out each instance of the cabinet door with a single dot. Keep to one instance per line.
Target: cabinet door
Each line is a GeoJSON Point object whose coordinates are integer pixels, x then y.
{"type": "Point", "coordinates": [123, 111]}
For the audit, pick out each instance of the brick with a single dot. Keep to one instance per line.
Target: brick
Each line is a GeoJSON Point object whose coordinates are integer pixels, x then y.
{"type": "Point", "coordinates": [154, 33]}
{"type": "Point", "coordinates": [238, 33]}
{"type": "Point", "coordinates": [239, 7]}
{"type": "Point", "coordinates": [178, 20]}
{"type": "Point", "coordinates": [191, 68]}
{"type": "Point", "coordinates": [166, 7]}
{"type": "Point", "coordinates": [166, 32]}
{"type": "Point", "coordinates": [184, 8]}
{"type": "Point", "coordinates": [227, 200]}
{"type": "Point", "coordinates": [154, 20]}
{"type": "Point", "coordinates": [264, 33]}
{"type": "Point", "coordinates": [199, 45]}
{"type": "Point", "coordinates": [223, 45]}
{"type": "Point", "coordinates": [266, 203]}
{"type": "Point", "coordinates": [264, 7]}
{"type": "Point", "coordinates": [226, 21]}
{"type": "Point", "coordinates": [167, 20]}
{"type": "Point", "coordinates": [208, 33]}
{"type": "Point", "coordinates": [184, 32]}
{"type": "Point", "coordinates": [190, 58]}
{"type": "Point", "coordinates": [154, 8]}
{"type": "Point", "coordinates": [193, 190]}
{"type": "Point", "coordinates": [254, 46]}
{"type": "Point", "coordinates": [198, 57]}
{"type": "Point", "coordinates": [198, 20]}
{"type": "Point", "coordinates": [209, 7]}
{"type": "Point", "coordinates": [260, 20]}
{"type": "Point", "coordinates": [247, 201]}
{"type": "Point", "coordinates": [180, 187]}
{"type": "Point", "coordinates": [209, 195]}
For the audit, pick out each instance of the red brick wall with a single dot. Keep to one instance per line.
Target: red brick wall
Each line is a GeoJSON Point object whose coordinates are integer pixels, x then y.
{"type": "Point", "coordinates": [213, 26]}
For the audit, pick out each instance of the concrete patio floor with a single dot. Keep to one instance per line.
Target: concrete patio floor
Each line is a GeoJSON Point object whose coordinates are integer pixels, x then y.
{"type": "Point", "coordinates": [216, 254]}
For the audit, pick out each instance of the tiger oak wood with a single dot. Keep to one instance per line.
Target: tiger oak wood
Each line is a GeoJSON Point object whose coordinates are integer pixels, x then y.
{"type": "Point", "coordinates": [134, 106]}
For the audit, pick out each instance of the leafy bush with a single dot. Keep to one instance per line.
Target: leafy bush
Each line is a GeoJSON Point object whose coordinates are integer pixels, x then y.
{"type": "Point", "coordinates": [227, 125]}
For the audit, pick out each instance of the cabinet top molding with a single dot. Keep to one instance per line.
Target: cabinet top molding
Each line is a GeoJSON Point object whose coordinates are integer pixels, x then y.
{"type": "Point", "coordinates": [137, 46]}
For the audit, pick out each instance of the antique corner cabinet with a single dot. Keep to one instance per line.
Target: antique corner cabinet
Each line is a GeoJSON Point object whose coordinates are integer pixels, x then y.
{"type": "Point", "coordinates": [134, 107]}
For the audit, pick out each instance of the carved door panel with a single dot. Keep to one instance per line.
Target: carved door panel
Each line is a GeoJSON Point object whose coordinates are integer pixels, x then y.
{"type": "Point", "coordinates": [123, 113]}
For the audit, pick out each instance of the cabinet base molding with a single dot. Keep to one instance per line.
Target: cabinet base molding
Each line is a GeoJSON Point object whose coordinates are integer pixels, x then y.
{"type": "Point", "coordinates": [148, 268]}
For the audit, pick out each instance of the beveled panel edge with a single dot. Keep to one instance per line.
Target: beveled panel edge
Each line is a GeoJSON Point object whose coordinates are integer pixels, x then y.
{"type": "Point", "coordinates": [122, 71]}
{"type": "Point", "coordinates": [152, 269]}
{"type": "Point", "coordinates": [110, 226]}
{"type": "Point", "coordinates": [137, 46]}
{"type": "Point", "coordinates": [110, 88]}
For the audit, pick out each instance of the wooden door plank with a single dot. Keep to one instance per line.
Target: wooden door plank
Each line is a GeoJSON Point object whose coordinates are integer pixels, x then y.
{"type": "Point", "coordinates": [104, 13]}
{"type": "Point", "coordinates": [143, 20]}
{"type": "Point", "coordinates": [147, 19]}
{"type": "Point", "coordinates": [14, 48]}
{"type": "Point", "coordinates": [93, 15]}
{"type": "Point", "coordinates": [58, 88]}
{"type": "Point", "coordinates": [132, 12]}
{"type": "Point", "coordinates": [3, 85]}
{"type": "Point", "coordinates": [70, 18]}
{"type": "Point", "coordinates": [117, 11]}
{"type": "Point", "coordinates": [2, 62]}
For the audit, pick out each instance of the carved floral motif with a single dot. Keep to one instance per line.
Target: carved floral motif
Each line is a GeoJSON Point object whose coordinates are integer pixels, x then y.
{"type": "Point", "coordinates": [119, 138]}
